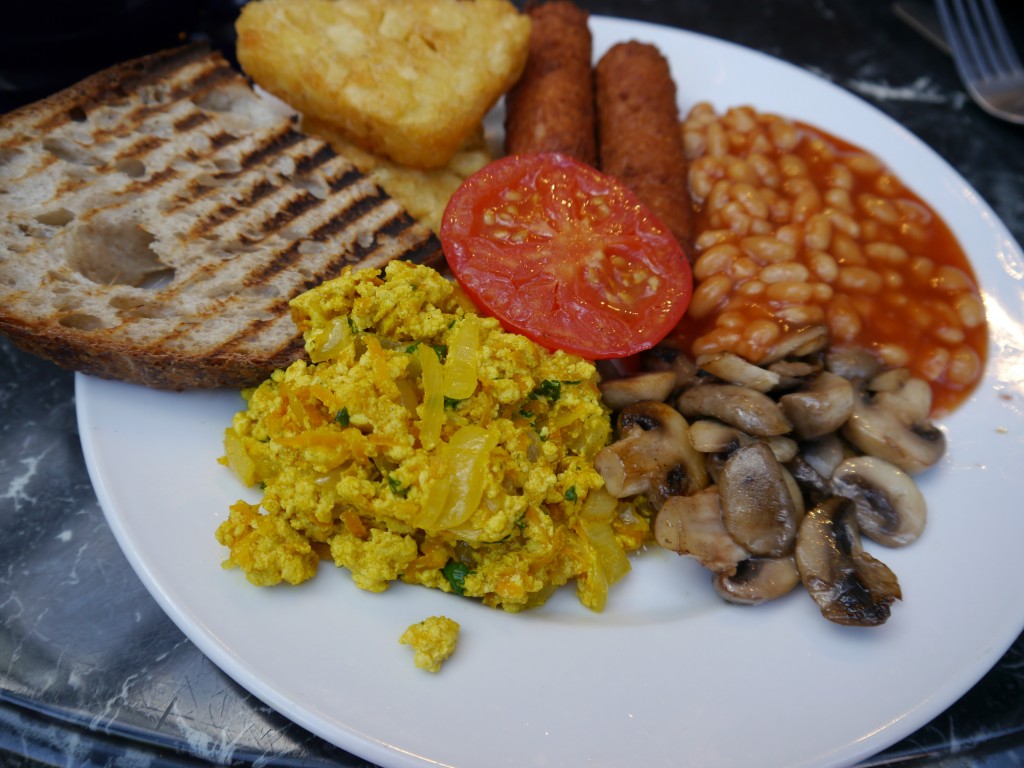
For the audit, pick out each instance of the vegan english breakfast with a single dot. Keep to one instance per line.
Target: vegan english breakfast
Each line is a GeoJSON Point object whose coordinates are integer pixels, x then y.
{"type": "Point", "coordinates": [493, 372]}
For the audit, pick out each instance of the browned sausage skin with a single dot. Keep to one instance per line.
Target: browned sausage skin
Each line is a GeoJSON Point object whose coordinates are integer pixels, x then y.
{"type": "Point", "coordinates": [639, 140]}
{"type": "Point", "coordinates": [551, 108]}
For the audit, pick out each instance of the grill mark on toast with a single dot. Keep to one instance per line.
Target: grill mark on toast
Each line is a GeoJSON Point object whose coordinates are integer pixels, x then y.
{"type": "Point", "coordinates": [275, 144]}
{"type": "Point", "coordinates": [292, 209]}
{"type": "Point", "coordinates": [227, 211]}
{"type": "Point", "coordinates": [348, 177]}
{"type": "Point", "coordinates": [222, 139]}
{"type": "Point", "coordinates": [310, 163]}
{"type": "Point", "coordinates": [190, 121]}
{"type": "Point", "coordinates": [143, 146]}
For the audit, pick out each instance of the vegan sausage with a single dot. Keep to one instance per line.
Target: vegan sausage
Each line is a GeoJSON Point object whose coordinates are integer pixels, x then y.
{"type": "Point", "coordinates": [638, 131]}
{"type": "Point", "coordinates": [551, 108]}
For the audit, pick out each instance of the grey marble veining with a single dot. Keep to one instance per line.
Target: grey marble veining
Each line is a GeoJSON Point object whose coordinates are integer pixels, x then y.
{"type": "Point", "coordinates": [93, 673]}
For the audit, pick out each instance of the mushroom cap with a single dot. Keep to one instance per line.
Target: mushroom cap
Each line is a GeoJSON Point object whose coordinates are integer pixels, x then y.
{"type": "Point", "coordinates": [692, 525]}
{"type": "Point", "coordinates": [890, 507]}
{"type": "Point", "coordinates": [734, 369]}
{"type": "Point", "coordinates": [746, 409]}
{"type": "Point", "coordinates": [821, 408]}
{"type": "Point", "coordinates": [757, 504]}
{"type": "Point", "coordinates": [653, 455]}
{"type": "Point", "coordinates": [879, 430]}
{"type": "Point", "coordinates": [849, 585]}
{"type": "Point", "coordinates": [758, 579]}
{"type": "Point", "coordinates": [629, 390]}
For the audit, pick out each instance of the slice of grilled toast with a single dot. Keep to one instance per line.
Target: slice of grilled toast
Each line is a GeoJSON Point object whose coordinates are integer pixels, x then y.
{"type": "Point", "coordinates": [157, 217]}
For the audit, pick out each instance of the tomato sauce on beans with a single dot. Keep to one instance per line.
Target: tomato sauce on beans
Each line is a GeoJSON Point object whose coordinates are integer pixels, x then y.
{"type": "Point", "coordinates": [796, 227]}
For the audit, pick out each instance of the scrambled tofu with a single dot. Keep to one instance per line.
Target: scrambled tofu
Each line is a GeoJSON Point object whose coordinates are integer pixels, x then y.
{"type": "Point", "coordinates": [407, 79]}
{"type": "Point", "coordinates": [433, 641]}
{"type": "Point", "coordinates": [422, 442]}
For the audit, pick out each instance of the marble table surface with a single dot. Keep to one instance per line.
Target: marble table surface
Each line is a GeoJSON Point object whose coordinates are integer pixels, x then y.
{"type": "Point", "coordinates": [92, 673]}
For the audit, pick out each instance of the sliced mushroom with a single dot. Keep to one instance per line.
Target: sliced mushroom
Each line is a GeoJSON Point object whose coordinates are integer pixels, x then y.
{"type": "Point", "coordinates": [813, 467]}
{"type": "Point", "coordinates": [792, 373]}
{"type": "Point", "coordinates": [848, 584]}
{"type": "Point", "coordinates": [629, 390]}
{"type": "Point", "coordinates": [758, 579]}
{"type": "Point", "coordinates": [653, 455]}
{"type": "Point", "coordinates": [667, 358]}
{"type": "Point", "coordinates": [824, 454]}
{"type": "Point", "coordinates": [852, 363]}
{"type": "Point", "coordinates": [883, 425]}
{"type": "Point", "coordinates": [903, 394]}
{"type": "Point", "coordinates": [757, 507]}
{"type": "Point", "coordinates": [821, 408]}
{"type": "Point", "coordinates": [806, 341]}
{"type": "Point", "coordinates": [890, 507]}
{"type": "Point", "coordinates": [746, 409]}
{"type": "Point", "coordinates": [735, 370]}
{"type": "Point", "coordinates": [692, 525]}
{"type": "Point", "coordinates": [709, 436]}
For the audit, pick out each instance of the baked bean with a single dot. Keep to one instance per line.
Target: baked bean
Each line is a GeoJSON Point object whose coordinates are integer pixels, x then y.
{"type": "Point", "coordinates": [839, 199]}
{"type": "Point", "coordinates": [709, 295]}
{"type": "Point", "coordinates": [880, 209]}
{"type": "Point", "coordinates": [964, 366]}
{"type": "Point", "coordinates": [823, 292]}
{"type": "Point", "coordinates": [783, 135]}
{"type": "Point", "coordinates": [823, 265]}
{"type": "Point", "coordinates": [709, 238]}
{"type": "Point", "coordinates": [847, 250]}
{"type": "Point", "coordinates": [802, 314]}
{"type": "Point", "coordinates": [718, 258]}
{"type": "Point", "coordinates": [744, 268]}
{"type": "Point", "coordinates": [747, 196]}
{"type": "Point", "coordinates": [766, 170]}
{"type": "Point", "coordinates": [818, 232]}
{"type": "Point", "coordinates": [890, 253]}
{"type": "Point", "coordinates": [970, 309]}
{"type": "Point", "coordinates": [932, 364]}
{"type": "Point", "coordinates": [731, 320]}
{"type": "Point", "coordinates": [865, 165]}
{"type": "Point", "coordinates": [796, 228]}
{"type": "Point", "coordinates": [860, 279]}
{"type": "Point", "coordinates": [750, 288]}
{"type": "Point", "coordinates": [840, 177]}
{"type": "Point", "coordinates": [790, 292]}
{"type": "Point", "coordinates": [844, 222]}
{"type": "Point", "coordinates": [893, 355]}
{"type": "Point", "coordinates": [788, 271]}
{"type": "Point", "coordinates": [736, 218]}
{"type": "Point", "coordinates": [768, 249]}
{"type": "Point", "coordinates": [953, 279]}
{"type": "Point", "coordinates": [693, 143]}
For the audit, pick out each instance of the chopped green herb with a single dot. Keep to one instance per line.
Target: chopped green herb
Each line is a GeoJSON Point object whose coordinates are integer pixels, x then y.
{"type": "Point", "coordinates": [456, 573]}
{"type": "Point", "coordinates": [412, 347]}
{"type": "Point", "coordinates": [570, 494]}
{"type": "Point", "coordinates": [396, 488]}
{"type": "Point", "coordinates": [549, 388]}
{"type": "Point", "coordinates": [521, 522]}
{"type": "Point", "coordinates": [342, 417]}
{"type": "Point", "coordinates": [451, 403]}
{"type": "Point", "coordinates": [441, 350]}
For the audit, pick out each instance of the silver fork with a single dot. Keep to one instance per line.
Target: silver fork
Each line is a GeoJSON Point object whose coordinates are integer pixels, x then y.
{"type": "Point", "coordinates": [984, 56]}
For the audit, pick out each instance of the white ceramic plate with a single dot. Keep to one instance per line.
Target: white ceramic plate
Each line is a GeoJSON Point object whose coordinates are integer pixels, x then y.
{"type": "Point", "coordinates": [668, 675]}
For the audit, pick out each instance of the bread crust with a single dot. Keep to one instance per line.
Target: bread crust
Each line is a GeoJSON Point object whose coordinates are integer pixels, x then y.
{"type": "Point", "coordinates": [157, 217]}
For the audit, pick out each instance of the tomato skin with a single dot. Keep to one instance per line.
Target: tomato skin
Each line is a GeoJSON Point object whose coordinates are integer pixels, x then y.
{"type": "Point", "coordinates": [566, 256]}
